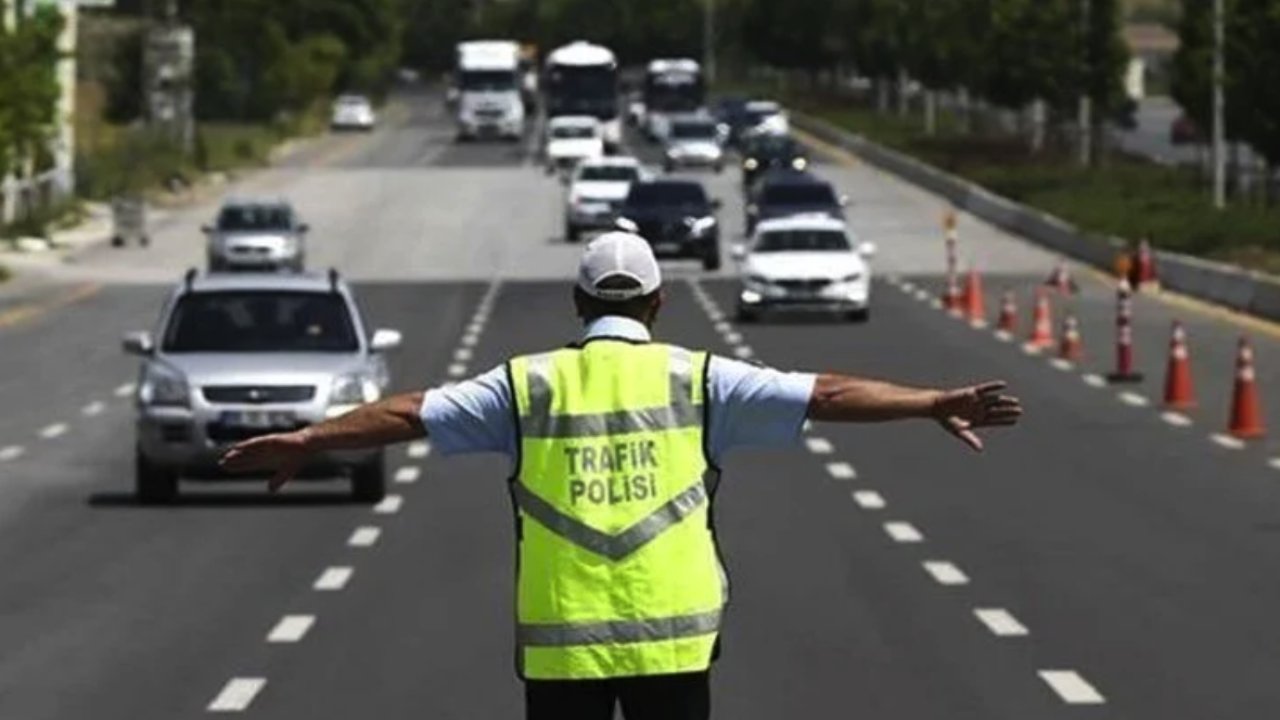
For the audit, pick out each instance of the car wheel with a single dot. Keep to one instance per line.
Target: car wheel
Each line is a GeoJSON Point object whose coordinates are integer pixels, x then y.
{"type": "Point", "coordinates": [152, 483]}
{"type": "Point", "coordinates": [859, 316]}
{"type": "Point", "coordinates": [369, 481]}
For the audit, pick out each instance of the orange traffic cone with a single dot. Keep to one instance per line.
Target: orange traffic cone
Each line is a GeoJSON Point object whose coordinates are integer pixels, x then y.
{"type": "Point", "coordinates": [1246, 410]}
{"type": "Point", "coordinates": [1060, 280]}
{"type": "Point", "coordinates": [1179, 393]}
{"type": "Point", "coordinates": [975, 303]}
{"type": "Point", "coordinates": [1041, 322]}
{"type": "Point", "coordinates": [1008, 320]}
{"type": "Point", "coordinates": [1070, 347]}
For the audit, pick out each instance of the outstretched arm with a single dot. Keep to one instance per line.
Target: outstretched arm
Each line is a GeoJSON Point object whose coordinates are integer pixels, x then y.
{"type": "Point", "coordinates": [392, 420]}
{"type": "Point", "coordinates": [839, 398]}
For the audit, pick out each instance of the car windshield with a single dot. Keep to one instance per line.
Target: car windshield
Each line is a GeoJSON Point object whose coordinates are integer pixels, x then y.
{"type": "Point", "coordinates": [757, 115]}
{"type": "Point", "coordinates": [693, 131]}
{"type": "Point", "coordinates": [801, 241]}
{"type": "Point", "coordinates": [488, 80]}
{"type": "Point", "coordinates": [260, 321]}
{"type": "Point", "coordinates": [237, 218]}
{"type": "Point", "coordinates": [798, 194]}
{"type": "Point", "coordinates": [608, 173]}
{"type": "Point", "coordinates": [667, 193]}
{"type": "Point", "coordinates": [352, 102]}
{"type": "Point", "coordinates": [567, 132]}
{"type": "Point", "coordinates": [774, 146]}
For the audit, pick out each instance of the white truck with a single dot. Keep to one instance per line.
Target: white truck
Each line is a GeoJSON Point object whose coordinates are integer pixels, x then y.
{"type": "Point", "coordinates": [488, 83]}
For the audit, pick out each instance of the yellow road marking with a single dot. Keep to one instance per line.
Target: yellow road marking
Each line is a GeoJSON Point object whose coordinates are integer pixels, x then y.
{"type": "Point", "coordinates": [843, 156]}
{"type": "Point", "coordinates": [22, 313]}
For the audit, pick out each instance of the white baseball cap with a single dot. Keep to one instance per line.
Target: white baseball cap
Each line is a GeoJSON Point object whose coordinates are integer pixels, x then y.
{"type": "Point", "coordinates": [618, 266]}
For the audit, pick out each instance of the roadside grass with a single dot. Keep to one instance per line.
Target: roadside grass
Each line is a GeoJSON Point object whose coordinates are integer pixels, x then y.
{"type": "Point", "coordinates": [1121, 196]}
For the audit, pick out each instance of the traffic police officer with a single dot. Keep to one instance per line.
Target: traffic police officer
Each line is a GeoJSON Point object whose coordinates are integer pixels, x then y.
{"type": "Point", "coordinates": [615, 443]}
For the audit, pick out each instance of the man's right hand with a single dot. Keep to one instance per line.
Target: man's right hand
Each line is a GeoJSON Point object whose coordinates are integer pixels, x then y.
{"type": "Point", "coordinates": [962, 411]}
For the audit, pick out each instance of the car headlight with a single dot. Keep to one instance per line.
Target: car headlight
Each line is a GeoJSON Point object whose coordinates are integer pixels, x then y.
{"type": "Point", "coordinates": [700, 226]}
{"type": "Point", "coordinates": [751, 164]}
{"type": "Point", "coordinates": [353, 389]}
{"type": "Point", "coordinates": [799, 163]}
{"type": "Point", "coordinates": [163, 386]}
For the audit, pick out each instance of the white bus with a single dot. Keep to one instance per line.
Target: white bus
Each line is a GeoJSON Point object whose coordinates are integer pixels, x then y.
{"type": "Point", "coordinates": [581, 78]}
{"type": "Point", "coordinates": [488, 83]}
{"type": "Point", "coordinates": [672, 86]}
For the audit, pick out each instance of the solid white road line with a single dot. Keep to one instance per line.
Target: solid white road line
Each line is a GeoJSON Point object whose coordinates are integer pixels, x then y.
{"type": "Point", "coordinates": [10, 452]}
{"type": "Point", "coordinates": [1229, 442]}
{"type": "Point", "coordinates": [125, 390]}
{"type": "Point", "coordinates": [842, 471]}
{"type": "Point", "coordinates": [408, 474]}
{"type": "Point", "coordinates": [333, 578]}
{"type": "Point", "coordinates": [94, 408]}
{"type": "Point", "coordinates": [56, 430]}
{"type": "Point", "coordinates": [945, 573]}
{"type": "Point", "coordinates": [868, 499]}
{"type": "Point", "coordinates": [1073, 689]}
{"type": "Point", "coordinates": [418, 449]}
{"type": "Point", "coordinates": [743, 351]}
{"type": "Point", "coordinates": [819, 446]}
{"type": "Point", "coordinates": [1062, 364]}
{"type": "Point", "coordinates": [237, 694]}
{"type": "Point", "coordinates": [291, 628]}
{"type": "Point", "coordinates": [457, 370]}
{"type": "Point", "coordinates": [1175, 419]}
{"type": "Point", "coordinates": [903, 532]}
{"type": "Point", "coordinates": [1093, 380]}
{"type": "Point", "coordinates": [1134, 399]}
{"type": "Point", "coordinates": [1001, 622]}
{"type": "Point", "coordinates": [364, 536]}
{"type": "Point", "coordinates": [390, 505]}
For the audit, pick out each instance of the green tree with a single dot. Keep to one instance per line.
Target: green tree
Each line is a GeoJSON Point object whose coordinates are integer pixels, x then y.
{"type": "Point", "coordinates": [28, 89]}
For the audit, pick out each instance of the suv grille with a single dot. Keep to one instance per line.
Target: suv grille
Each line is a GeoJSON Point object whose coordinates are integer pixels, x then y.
{"type": "Point", "coordinates": [258, 394]}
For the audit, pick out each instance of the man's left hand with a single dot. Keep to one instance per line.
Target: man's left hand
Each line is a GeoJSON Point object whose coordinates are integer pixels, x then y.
{"type": "Point", "coordinates": [282, 454]}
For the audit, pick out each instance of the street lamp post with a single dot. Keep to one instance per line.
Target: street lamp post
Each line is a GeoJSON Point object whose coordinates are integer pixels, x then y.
{"type": "Point", "coordinates": [709, 40]}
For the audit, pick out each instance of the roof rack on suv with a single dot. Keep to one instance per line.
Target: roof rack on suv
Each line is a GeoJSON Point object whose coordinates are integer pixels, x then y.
{"type": "Point", "coordinates": [333, 279]}
{"type": "Point", "coordinates": [190, 277]}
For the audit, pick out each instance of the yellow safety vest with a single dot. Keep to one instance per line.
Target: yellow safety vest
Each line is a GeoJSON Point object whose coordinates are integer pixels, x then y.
{"type": "Point", "coordinates": [618, 570]}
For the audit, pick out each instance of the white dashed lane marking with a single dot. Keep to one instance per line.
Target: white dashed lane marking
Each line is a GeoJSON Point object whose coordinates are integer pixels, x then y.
{"type": "Point", "coordinates": [291, 628]}
{"type": "Point", "coordinates": [462, 354]}
{"type": "Point", "coordinates": [457, 370]}
{"type": "Point", "coordinates": [237, 694]}
{"type": "Point", "coordinates": [10, 452]}
{"type": "Point", "coordinates": [945, 573]}
{"type": "Point", "coordinates": [1073, 689]}
{"type": "Point", "coordinates": [1134, 399]}
{"type": "Point", "coordinates": [364, 536]}
{"type": "Point", "coordinates": [1094, 380]}
{"type": "Point", "coordinates": [1061, 364]}
{"type": "Point", "coordinates": [125, 390]}
{"type": "Point", "coordinates": [333, 578]}
{"type": "Point", "coordinates": [743, 351]}
{"type": "Point", "coordinates": [903, 532]}
{"type": "Point", "coordinates": [819, 446]}
{"type": "Point", "coordinates": [1175, 419]}
{"type": "Point", "coordinates": [868, 499]}
{"type": "Point", "coordinates": [470, 339]}
{"type": "Point", "coordinates": [94, 408]}
{"type": "Point", "coordinates": [733, 338]}
{"type": "Point", "coordinates": [408, 474]}
{"type": "Point", "coordinates": [56, 430]}
{"type": "Point", "coordinates": [418, 450]}
{"type": "Point", "coordinates": [390, 505]}
{"type": "Point", "coordinates": [842, 471]}
{"type": "Point", "coordinates": [1229, 442]}
{"type": "Point", "coordinates": [1000, 622]}
{"type": "Point", "coordinates": [1004, 336]}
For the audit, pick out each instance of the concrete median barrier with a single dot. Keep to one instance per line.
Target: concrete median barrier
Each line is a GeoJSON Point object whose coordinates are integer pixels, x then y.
{"type": "Point", "coordinates": [1223, 284]}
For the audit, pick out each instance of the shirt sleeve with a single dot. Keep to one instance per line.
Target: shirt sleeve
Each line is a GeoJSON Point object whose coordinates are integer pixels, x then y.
{"type": "Point", "coordinates": [473, 416]}
{"type": "Point", "coordinates": [751, 405]}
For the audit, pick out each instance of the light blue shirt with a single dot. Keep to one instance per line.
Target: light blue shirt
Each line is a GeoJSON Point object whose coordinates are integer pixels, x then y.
{"type": "Point", "coordinates": [749, 405]}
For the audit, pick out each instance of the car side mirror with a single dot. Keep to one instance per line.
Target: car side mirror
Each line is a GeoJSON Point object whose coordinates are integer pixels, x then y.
{"type": "Point", "coordinates": [626, 225]}
{"type": "Point", "coordinates": [739, 251]}
{"type": "Point", "coordinates": [867, 249]}
{"type": "Point", "coordinates": [139, 343]}
{"type": "Point", "coordinates": [384, 339]}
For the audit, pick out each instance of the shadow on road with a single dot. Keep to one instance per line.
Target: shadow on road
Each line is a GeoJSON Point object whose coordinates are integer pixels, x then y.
{"type": "Point", "coordinates": [222, 499]}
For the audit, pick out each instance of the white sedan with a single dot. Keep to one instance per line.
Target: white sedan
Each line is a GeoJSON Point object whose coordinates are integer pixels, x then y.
{"type": "Point", "coordinates": [807, 263]}
{"type": "Point", "coordinates": [353, 112]}
{"type": "Point", "coordinates": [596, 190]}
{"type": "Point", "coordinates": [572, 139]}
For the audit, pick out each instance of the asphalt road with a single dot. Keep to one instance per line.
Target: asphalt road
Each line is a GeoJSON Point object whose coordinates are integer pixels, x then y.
{"type": "Point", "coordinates": [1097, 562]}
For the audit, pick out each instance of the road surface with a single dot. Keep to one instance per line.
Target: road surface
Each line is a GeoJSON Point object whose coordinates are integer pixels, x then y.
{"type": "Point", "coordinates": [1102, 561]}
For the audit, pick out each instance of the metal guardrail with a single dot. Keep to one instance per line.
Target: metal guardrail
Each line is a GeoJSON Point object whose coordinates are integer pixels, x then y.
{"type": "Point", "coordinates": [1234, 287]}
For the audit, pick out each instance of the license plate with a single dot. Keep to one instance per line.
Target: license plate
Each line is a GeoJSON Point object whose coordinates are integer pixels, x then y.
{"type": "Point", "coordinates": [259, 419]}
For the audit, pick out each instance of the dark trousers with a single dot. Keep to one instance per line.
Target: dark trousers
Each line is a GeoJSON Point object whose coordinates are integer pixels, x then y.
{"type": "Point", "coordinates": [658, 697]}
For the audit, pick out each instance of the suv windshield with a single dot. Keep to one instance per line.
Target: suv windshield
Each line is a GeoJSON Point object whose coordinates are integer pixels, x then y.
{"type": "Point", "coordinates": [693, 131]}
{"type": "Point", "coordinates": [481, 80]}
{"type": "Point", "coordinates": [801, 241]}
{"type": "Point", "coordinates": [798, 194]}
{"type": "Point", "coordinates": [773, 146]}
{"type": "Point", "coordinates": [572, 131]}
{"type": "Point", "coordinates": [608, 173]}
{"type": "Point", "coordinates": [237, 218]}
{"type": "Point", "coordinates": [667, 193]}
{"type": "Point", "coordinates": [260, 321]}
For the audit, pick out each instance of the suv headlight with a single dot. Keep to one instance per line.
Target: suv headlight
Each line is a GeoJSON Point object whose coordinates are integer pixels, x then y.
{"type": "Point", "coordinates": [163, 386]}
{"type": "Point", "coordinates": [751, 164]}
{"type": "Point", "coordinates": [799, 163]}
{"type": "Point", "coordinates": [353, 389]}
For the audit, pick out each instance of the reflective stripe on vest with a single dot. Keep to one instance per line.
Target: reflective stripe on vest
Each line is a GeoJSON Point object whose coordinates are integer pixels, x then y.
{"type": "Point", "coordinates": [618, 570]}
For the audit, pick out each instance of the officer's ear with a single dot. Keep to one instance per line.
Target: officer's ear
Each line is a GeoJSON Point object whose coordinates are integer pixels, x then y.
{"type": "Point", "coordinates": [655, 304]}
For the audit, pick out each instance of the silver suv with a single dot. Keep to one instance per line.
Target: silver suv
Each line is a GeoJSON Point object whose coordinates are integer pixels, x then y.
{"type": "Point", "coordinates": [253, 234]}
{"type": "Point", "coordinates": [240, 355]}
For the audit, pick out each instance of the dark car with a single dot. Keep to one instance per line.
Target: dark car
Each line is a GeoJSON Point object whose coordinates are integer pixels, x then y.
{"type": "Point", "coordinates": [782, 193]}
{"type": "Point", "coordinates": [676, 217]}
{"type": "Point", "coordinates": [762, 153]}
{"type": "Point", "coordinates": [731, 116]}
